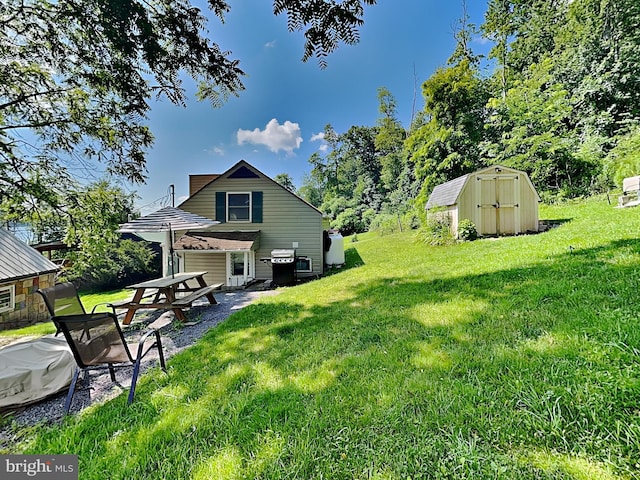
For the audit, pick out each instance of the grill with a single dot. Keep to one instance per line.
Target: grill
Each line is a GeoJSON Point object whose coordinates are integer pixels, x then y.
{"type": "Point", "coordinates": [283, 265]}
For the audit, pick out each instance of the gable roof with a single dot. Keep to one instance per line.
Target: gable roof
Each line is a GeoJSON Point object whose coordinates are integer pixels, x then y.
{"type": "Point", "coordinates": [446, 194]}
{"type": "Point", "coordinates": [243, 169]}
{"type": "Point", "coordinates": [18, 260]}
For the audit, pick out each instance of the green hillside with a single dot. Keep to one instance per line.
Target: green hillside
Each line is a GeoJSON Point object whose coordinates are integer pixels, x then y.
{"type": "Point", "coordinates": [500, 358]}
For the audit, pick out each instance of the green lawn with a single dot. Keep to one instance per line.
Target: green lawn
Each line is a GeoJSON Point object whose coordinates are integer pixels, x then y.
{"type": "Point", "coordinates": [513, 358]}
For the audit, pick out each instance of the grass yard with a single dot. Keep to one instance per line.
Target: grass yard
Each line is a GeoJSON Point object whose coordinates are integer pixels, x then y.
{"type": "Point", "coordinates": [512, 358]}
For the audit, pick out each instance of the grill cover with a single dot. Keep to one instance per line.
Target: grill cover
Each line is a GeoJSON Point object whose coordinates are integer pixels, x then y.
{"type": "Point", "coordinates": [33, 370]}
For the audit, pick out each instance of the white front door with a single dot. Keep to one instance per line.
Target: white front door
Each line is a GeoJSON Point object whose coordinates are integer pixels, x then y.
{"type": "Point", "coordinates": [240, 268]}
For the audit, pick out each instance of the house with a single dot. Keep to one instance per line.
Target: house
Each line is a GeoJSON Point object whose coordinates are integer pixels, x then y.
{"type": "Point", "coordinates": [498, 200]}
{"type": "Point", "coordinates": [22, 271]}
{"type": "Point", "coordinates": [257, 216]}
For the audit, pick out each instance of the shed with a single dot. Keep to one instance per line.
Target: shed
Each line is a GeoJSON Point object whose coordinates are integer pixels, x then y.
{"type": "Point", "coordinates": [498, 200]}
{"type": "Point", "coordinates": [22, 271]}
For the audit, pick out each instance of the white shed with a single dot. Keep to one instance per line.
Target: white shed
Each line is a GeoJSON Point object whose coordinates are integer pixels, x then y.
{"type": "Point", "coordinates": [498, 200]}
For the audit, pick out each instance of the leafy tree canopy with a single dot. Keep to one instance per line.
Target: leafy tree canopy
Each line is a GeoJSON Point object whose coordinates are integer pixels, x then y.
{"type": "Point", "coordinates": [76, 79]}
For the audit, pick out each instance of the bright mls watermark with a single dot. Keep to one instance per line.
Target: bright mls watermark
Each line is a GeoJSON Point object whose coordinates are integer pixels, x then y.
{"type": "Point", "coordinates": [50, 467]}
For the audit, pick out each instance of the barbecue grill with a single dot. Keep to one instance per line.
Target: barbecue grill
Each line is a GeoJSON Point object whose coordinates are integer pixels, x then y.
{"type": "Point", "coordinates": [283, 266]}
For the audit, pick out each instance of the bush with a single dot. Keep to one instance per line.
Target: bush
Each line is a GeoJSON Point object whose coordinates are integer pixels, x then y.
{"type": "Point", "coordinates": [387, 223]}
{"type": "Point", "coordinates": [467, 230]}
{"type": "Point", "coordinates": [121, 264]}
{"type": "Point", "coordinates": [437, 230]}
{"type": "Point", "coordinates": [348, 222]}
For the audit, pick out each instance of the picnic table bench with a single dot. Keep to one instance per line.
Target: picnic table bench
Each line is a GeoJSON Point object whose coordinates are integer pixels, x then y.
{"type": "Point", "coordinates": [164, 296]}
{"type": "Point", "coordinates": [202, 292]}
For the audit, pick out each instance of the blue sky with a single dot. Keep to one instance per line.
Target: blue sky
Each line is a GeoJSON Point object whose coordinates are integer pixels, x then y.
{"type": "Point", "coordinates": [275, 122]}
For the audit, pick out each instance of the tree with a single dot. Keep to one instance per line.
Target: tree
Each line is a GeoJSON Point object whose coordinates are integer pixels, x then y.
{"type": "Point", "coordinates": [286, 181]}
{"type": "Point", "coordinates": [447, 144]}
{"type": "Point", "coordinates": [532, 131]}
{"type": "Point", "coordinates": [78, 78]}
{"type": "Point", "coordinates": [389, 143]}
{"type": "Point", "coordinates": [100, 257]}
{"type": "Point", "coordinates": [624, 159]}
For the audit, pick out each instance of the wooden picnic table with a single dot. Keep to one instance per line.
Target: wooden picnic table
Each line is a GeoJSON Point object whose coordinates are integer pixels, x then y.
{"type": "Point", "coordinates": [164, 296]}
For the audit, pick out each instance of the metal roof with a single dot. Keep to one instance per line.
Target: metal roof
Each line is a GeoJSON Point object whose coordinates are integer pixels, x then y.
{"type": "Point", "coordinates": [19, 260]}
{"type": "Point", "coordinates": [446, 194]}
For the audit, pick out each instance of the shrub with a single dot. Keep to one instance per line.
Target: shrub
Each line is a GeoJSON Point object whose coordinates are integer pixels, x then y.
{"type": "Point", "coordinates": [122, 263]}
{"type": "Point", "coordinates": [387, 223]}
{"type": "Point", "coordinates": [437, 230]}
{"type": "Point", "coordinates": [467, 230]}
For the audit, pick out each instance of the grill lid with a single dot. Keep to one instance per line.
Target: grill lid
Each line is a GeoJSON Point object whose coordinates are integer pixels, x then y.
{"type": "Point", "coordinates": [283, 255]}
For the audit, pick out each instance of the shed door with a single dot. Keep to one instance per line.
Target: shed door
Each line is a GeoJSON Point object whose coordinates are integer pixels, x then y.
{"type": "Point", "coordinates": [498, 203]}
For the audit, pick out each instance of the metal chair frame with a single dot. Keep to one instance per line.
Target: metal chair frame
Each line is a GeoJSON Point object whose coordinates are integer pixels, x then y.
{"type": "Point", "coordinates": [96, 339]}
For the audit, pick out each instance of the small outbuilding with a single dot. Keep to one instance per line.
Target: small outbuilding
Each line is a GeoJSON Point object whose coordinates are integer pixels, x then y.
{"type": "Point", "coordinates": [22, 271]}
{"type": "Point", "coordinates": [498, 200]}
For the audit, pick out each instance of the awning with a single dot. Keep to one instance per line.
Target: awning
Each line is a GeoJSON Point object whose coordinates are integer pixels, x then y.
{"type": "Point", "coordinates": [218, 241]}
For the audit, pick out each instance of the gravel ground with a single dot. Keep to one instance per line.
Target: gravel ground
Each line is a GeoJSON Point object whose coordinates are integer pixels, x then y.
{"type": "Point", "coordinates": [99, 386]}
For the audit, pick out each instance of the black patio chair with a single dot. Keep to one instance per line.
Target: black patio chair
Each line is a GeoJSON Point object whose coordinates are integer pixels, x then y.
{"type": "Point", "coordinates": [96, 339]}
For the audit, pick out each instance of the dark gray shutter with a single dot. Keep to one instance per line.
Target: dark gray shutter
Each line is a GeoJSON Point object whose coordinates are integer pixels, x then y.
{"type": "Point", "coordinates": [256, 207]}
{"type": "Point", "coordinates": [221, 206]}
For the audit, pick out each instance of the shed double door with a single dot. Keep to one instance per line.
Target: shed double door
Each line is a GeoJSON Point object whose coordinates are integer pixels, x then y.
{"type": "Point", "coordinates": [497, 201]}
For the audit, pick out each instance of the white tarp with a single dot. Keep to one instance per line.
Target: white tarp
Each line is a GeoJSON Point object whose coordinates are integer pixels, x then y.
{"type": "Point", "coordinates": [33, 370]}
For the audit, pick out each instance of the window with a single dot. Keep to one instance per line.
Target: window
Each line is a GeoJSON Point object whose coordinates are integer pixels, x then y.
{"type": "Point", "coordinates": [238, 207]}
{"type": "Point", "coordinates": [304, 264]}
{"type": "Point", "coordinates": [7, 298]}
{"type": "Point", "coordinates": [237, 264]}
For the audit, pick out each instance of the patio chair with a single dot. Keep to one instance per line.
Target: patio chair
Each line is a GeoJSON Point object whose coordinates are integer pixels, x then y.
{"type": "Point", "coordinates": [96, 339]}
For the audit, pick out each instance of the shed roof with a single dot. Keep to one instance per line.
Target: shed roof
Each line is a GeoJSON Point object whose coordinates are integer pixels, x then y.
{"type": "Point", "coordinates": [218, 241]}
{"type": "Point", "coordinates": [18, 260]}
{"type": "Point", "coordinates": [447, 193]}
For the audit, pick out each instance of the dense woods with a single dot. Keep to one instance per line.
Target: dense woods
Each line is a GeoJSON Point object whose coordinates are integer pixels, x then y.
{"type": "Point", "coordinates": [561, 102]}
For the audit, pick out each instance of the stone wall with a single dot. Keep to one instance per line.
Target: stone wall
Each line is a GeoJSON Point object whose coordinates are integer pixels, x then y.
{"type": "Point", "coordinates": [29, 307]}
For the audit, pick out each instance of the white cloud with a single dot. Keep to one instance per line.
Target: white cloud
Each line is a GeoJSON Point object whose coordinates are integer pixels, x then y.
{"type": "Point", "coordinates": [319, 137]}
{"type": "Point", "coordinates": [276, 137]}
{"type": "Point", "coordinates": [215, 151]}
{"type": "Point", "coordinates": [270, 44]}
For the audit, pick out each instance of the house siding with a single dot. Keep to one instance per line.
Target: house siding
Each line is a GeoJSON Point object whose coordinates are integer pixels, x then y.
{"type": "Point", "coordinates": [285, 219]}
{"type": "Point", "coordinates": [29, 308]}
{"type": "Point", "coordinates": [214, 264]}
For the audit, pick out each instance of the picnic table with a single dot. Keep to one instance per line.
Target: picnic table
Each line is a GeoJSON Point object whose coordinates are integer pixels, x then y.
{"type": "Point", "coordinates": [164, 294]}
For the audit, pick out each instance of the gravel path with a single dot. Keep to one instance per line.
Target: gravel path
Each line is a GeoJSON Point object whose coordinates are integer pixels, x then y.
{"type": "Point", "coordinates": [100, 387]}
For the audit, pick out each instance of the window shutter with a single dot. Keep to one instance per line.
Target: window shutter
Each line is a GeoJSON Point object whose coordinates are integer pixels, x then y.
{"type": "Point", "coordinates": [221, 206]}
{"type": "Point", "coordinates": [256, 207]}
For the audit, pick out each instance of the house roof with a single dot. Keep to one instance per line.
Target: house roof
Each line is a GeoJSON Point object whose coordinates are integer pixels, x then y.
{"type": "Point", "coordinates": [447, 193]}
{"type": "Point", "coordinates": [18, 260]}
{"type": "Point", "coordinates": [243, 169]}
{"type": "Point", "coordinates": [218, 241]}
